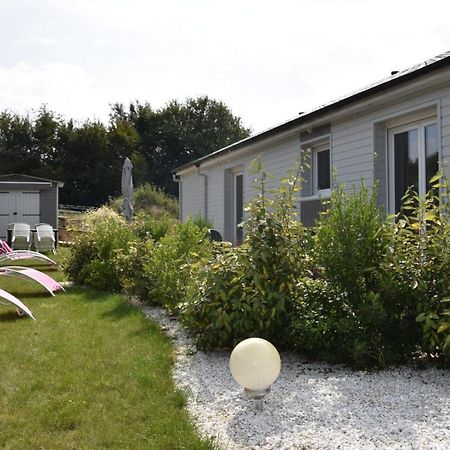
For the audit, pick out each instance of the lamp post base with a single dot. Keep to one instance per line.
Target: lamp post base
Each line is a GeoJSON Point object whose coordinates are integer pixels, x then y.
{"type": "Point", "coordinates": [258, 396]}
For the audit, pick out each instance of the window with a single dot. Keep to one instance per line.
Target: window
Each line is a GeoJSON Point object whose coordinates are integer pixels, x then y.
{"type": "Point", "coordinates": [413, 160]}
{"type": "Point", "coordinates": [321, 169]}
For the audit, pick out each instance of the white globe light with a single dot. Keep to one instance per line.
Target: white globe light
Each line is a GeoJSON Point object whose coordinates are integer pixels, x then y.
{"type": "Point", "coordinates": [255, 364]}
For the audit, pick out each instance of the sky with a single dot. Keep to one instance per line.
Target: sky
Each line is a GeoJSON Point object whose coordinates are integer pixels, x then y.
{"type": "Point", "coordinates": [266, 60]}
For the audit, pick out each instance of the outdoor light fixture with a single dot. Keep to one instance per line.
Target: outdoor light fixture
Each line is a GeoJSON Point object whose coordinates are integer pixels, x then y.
{"type": "Point", "coordinates": [255, 364]}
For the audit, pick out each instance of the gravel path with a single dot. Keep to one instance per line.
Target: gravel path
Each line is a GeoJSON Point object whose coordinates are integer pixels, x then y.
{"type": "Point", "coordinates": [313, 406]}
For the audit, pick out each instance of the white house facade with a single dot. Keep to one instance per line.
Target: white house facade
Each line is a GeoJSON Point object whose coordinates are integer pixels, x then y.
{"type": "Point", "coordinates": [395, 131]}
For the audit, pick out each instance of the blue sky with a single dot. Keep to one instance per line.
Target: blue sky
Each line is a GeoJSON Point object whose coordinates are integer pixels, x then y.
{"type": "Point", "coordinates": [266, 60]}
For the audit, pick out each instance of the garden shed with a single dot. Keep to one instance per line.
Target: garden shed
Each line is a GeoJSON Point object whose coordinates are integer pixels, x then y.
{"type": "Point", "coordinates": [28, 199]}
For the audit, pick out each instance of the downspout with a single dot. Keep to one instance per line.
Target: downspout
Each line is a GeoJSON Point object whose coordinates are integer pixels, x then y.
{"type": "Point", "coordinates": [205, 179]}
{"type": "Point", "coordinates": [177, 179]}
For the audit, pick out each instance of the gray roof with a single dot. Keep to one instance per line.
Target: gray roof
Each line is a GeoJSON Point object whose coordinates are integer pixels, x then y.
{"type": "Point", "coordinates": [20, 177]}
{"type": "Point", "coordinates": [394, 80]}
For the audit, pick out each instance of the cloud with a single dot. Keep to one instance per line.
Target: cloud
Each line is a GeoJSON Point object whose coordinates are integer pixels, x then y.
{"type": "Point", "coordinates": [63, 87]}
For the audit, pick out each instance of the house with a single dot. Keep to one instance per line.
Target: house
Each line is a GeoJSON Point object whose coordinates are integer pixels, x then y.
{"type": "Point", "coordinates": [28, 199]}
{"type": "Point", "coordinates": [394, 131]}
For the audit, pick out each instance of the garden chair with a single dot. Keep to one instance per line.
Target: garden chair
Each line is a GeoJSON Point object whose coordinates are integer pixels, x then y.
{"type": "Point", "coordinates": [8, 254]}
{"type": "Point", "coordinates": [43, 279]}
{"type": "Point", "coordinates": [21, 308]}
{"type": "Point", "coordinates": [45, 239]}
{"type": "Point", "coordinates": [21, 236]}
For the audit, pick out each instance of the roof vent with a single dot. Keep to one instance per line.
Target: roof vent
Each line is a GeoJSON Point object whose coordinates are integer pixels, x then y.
{"type": "Point", "coordinates": [394, 72]}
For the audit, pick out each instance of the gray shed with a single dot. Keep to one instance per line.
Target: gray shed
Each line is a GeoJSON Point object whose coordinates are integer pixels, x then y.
{"type": "Point", "coordinates": [28, 199]}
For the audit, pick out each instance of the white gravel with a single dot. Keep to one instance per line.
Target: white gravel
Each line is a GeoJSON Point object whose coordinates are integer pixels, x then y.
{"type": "Point", "coordinates": [312, 405]}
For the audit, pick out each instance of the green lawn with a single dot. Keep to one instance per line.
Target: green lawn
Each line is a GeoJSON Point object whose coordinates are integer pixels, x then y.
{"type": "Point", "coordinates": [91, 372]}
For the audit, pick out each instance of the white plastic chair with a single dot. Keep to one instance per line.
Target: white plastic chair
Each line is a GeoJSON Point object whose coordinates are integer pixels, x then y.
{"type": "Point", "coordinates": [45, 238]}
{"type": "Point", "coordinates": [21, 236]}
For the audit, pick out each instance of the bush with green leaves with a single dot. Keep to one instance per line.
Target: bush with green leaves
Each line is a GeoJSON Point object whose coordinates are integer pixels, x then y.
{"type": "Point", "coordinates": [92, 259]}
{"type": "Point", "coordinates": [151, 200]}
{"type": "Point", "coordinates": [417, 267]}
{"type": "Point", "coordinates": [247, 291]}
{"type": "Point", "coordinates": [352, 243]}
{"type": "Point", "coordinates": [146, 226]}
{"type": "Point", "coordinates": [174, 263]}
{"type": "Point", "coordinates": [319, 316]}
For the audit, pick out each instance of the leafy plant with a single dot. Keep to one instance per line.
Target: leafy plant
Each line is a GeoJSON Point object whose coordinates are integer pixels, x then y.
{"type": "Point", "coordinates": [247, 291]}
{"type": "Point", "coordinates": [92, 260]}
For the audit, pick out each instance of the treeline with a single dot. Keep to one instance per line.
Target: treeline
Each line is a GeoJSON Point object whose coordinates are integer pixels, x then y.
{"type": "Point", "coordinates": [88, 157]}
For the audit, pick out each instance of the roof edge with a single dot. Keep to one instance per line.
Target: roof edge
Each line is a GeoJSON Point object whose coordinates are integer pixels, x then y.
{"type": "Point", "coordinates": [395, 80]}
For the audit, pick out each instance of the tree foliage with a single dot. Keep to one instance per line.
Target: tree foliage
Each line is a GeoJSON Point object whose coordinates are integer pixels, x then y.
{"type": "Point", "coordinates": [88, 157]}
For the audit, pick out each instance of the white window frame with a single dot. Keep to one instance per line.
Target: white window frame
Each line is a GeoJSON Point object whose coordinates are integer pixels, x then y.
{"type": "Point", "coordinates": [420, 126]}
{"type": "Point", "coordinates": [315, 172]}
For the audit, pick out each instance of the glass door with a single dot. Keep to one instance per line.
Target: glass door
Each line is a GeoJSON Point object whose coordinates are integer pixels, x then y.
{"type": "Point", "coordinates": [413, 160]}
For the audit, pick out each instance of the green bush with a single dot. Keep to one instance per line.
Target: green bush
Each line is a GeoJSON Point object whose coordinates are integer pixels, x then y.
{"type": "Point", "coordinates": [417, 267]}
{"type": "Point", "coordinates": [151, 200]}
{"type": "Point", "coordinates": [319, 315]}
{"type": "Point", "coordinates": [170, 265]}
{"type": "Point", "coordinates": [146, 226]}
{"type": "Point", "coordinates": [375, 326]}
{"type": "Point", "coordinates": [92, 259]}
{"type": "Point", "coordinates": [247, 291]}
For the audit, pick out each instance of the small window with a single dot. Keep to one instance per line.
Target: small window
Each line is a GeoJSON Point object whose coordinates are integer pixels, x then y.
{"type": "Point", "coordinates": [322, 172]}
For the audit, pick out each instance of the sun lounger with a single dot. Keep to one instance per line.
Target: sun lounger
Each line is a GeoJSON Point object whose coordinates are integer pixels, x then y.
{"type": "Point", "coordinates": [8, 254]}
{"type": "Point", "coordinates": [43, 279]}
{"type": "Point", "coordinates": [16, 302]}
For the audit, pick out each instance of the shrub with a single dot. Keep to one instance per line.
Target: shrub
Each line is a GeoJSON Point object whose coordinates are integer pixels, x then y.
{"type": "Point", "coordinates": [92, 260]}
{"type": "Point", "coordinates": [318, 317]}
{"type": "Point", "coordinates": [247, 291]}
{"type": "Point", "coordinates": [173, 262]}
{"type": "Point", "coordinates": [151, 200]}
{"type": "Point", "coordinates": [352, 242]}
{"type": "Point", "coordinates": [146, 226]}
{"type": "Point", "coordinates": [417, 269]}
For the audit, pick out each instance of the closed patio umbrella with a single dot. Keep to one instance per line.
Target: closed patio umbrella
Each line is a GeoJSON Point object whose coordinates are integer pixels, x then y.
{"type": "Point", "coordinates": [127, 189]}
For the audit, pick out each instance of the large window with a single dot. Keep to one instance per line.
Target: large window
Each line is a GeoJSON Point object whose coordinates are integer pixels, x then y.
{"type": "Point", "coordinates": [413, 160]}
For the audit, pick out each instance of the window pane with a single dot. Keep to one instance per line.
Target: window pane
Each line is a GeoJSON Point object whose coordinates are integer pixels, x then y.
{"type": "Point", "coordinates": [431, 152]}
{"type": "Point", "coordinates": [323, 170]}
{"type": "Point", "coordinates": [406, 164]}
{"type": "Point", "coordinates": [239, 203]}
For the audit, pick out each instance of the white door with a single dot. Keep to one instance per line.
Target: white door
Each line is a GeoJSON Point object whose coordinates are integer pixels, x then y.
{"type": "Point", "coordinates": [18, 206]}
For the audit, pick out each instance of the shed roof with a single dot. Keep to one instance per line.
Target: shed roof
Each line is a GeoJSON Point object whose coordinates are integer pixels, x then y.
{"type": "Point", "coordinates": [396, 79]}
{"type": "Point", "coordinates": [22, 177]}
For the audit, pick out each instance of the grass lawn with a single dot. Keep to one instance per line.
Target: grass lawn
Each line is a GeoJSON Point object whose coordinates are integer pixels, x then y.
{"type": "Point", "coordinates": [91, 372]}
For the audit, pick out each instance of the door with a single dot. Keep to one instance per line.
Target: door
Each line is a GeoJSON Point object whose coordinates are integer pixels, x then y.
{"type": "Point", "coordinates": [413, 160]}
{"type": "Point", "coordinates": [18, 206]}
{"type": "Point", "coordinates": [238, 207]}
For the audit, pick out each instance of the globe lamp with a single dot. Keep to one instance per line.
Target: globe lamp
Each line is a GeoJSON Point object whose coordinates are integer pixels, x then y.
{"type": "Point", "coordinates": [255, 364]}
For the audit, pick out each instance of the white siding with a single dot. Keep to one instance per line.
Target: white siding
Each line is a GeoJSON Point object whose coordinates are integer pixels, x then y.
{"type": "Point", "coordinates": [192, 196]}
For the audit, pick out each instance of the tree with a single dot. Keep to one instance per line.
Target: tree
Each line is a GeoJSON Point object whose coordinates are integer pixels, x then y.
{"type": "Point", "coordinates": [179, 133]}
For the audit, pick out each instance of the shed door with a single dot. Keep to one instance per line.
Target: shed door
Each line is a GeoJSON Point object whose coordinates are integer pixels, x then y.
{"type": "Point", "coordinates": [18, 206]}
